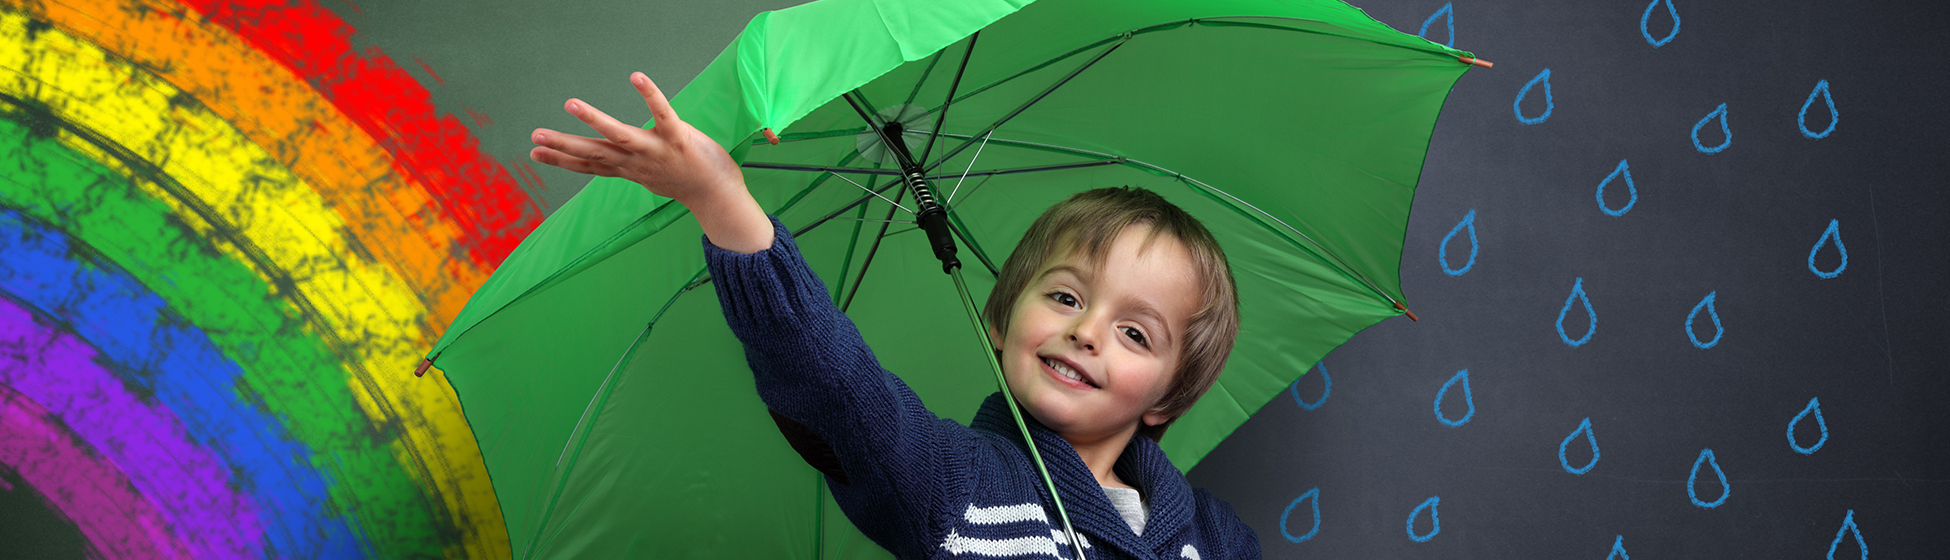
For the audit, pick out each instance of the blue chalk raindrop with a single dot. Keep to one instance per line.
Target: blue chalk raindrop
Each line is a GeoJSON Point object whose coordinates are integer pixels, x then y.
{"type": "Point", "coordinates": [1585, 428]}
{"type": "Point", "coordinates": [1618, 550]}
{"type": "Point", "coordinates": [1848, 527]}
{"type": "Point", "coordinates": [1624, 170]}
{"type": "Point", "coordinates": [1311, 495]}
{"type": "Point", "coordinates": [1706, 458]}
{"type": "Point", "coordinates": [1470, 400]}
{"type": "Point", "coordinates": [1448, 13]}
{"type": "Point", "coordinates": [1577, 295]}
{"type": "Point", "coordinates": [1832, 235]}
{"type": "Point", "coordinates": [1442, 253]}
{"type": "Point", "coordinates": [1326, 387]}
{"type": "Point", "coordinates": [1801, 120]}
{"type": "Point", "coordinates": [1814, 406]}
{"type": "Point", "coordinates": [1711, 313]}
{"type": "Point", "coordinates": [1720, 112]}
{"type": "Point", "coordinates": [1643, 20]}
{"type": "Point", "coordinates": [1435, 521]}
{"type": "Point", "coordinates": [1545, 78]}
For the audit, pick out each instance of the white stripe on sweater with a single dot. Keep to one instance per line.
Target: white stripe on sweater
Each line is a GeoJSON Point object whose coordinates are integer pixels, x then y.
{"type": "Point", "coordinates": [1001, 515]}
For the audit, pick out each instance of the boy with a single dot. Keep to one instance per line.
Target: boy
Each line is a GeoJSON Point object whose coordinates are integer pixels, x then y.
{"type": "Point", "coordinates": [1112, 316]}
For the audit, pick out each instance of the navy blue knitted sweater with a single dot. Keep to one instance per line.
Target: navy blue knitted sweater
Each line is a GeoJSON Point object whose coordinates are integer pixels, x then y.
{"type": "Point", "coordinates": [926, 487]}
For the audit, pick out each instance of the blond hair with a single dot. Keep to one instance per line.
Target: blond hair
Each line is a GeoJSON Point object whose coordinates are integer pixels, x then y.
{"type": "Point", "coordinates": [1090, 221]}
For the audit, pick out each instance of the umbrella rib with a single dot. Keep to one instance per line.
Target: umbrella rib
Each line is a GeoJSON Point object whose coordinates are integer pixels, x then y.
{"type": "Point", "coordinates": [870, 253]}
{"type": "Point", "coordinates": [1032, 101]}
{"type": "Point", "coordinates": [870, 191]}
{"type": "Point", "coordinates": [971, 161]}
{"type": "Point", "coordinates": [911, 94]}
{"type": "Point", "coordinates": [952, 86]}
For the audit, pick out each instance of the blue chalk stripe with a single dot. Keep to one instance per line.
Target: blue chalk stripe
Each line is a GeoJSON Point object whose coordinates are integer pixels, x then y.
{"type": "Point", "coordinates": [1711, 313]}
{"type": "Point", "coordinates": [1584, 427]}
{"type": "Point", "coordinates": [1549, 104]}
{"type": "Point", "coordinates": [1814, 406]}
{"type": "Point", "coordinates": [1706, 458]}
{"type": "Point", "coordinates": [1327, 387]}
{"type": "Point", "coordinates": [1720, 112]}
{"type": "Point", "coordinates": [1577, 295]}
{"type": "Point", "coordinates": [1435, 520]}
{"type": "Point", "coordinates": [1801, 119]}
{"type": "Point", "coordinates": [1468, 399]}
{"type": "Point", "coordinates": [1442, 251]}
{"type": "Point", "coordinates": [1832, 235]}
{"type": "Point", "coordinates": [1447, 10]}
{"type": "Point", "coordinates": [1313, 495]}
{"type": "Point", "coordinates": [1656, 43]}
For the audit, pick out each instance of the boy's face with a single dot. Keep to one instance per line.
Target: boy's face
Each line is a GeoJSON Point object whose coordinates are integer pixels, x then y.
{"type": "Point", "coordinates": [1117, 328]}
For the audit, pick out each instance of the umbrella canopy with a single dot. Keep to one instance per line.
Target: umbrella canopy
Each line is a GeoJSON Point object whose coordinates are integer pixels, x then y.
{"type": "Point", "coordinates": [614, 407]}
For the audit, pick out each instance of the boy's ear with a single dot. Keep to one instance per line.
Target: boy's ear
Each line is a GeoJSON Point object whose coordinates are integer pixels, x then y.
{"type": "Point", "coordinates": [1154, 417]}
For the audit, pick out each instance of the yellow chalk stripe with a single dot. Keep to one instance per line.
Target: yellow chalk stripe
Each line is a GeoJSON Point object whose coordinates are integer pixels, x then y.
{"type": "Point", "coordinates": [371, 315]}
{"type": "Point", "coordinates": [389, 213]}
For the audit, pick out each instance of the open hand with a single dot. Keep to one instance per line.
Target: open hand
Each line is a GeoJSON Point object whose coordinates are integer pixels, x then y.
{"type": "Point", "coordinates": [672, 159]}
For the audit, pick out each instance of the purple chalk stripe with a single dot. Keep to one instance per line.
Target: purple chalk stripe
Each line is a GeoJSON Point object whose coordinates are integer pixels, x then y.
{"type": "Point", "coordinates": [146, 441]}
{"type": "Point", "coordinates": [86, 489]}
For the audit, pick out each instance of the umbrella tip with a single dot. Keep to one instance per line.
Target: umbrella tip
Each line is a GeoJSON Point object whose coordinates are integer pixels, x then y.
{"type": "Point", "coordinates": [1411, 314]}
{"type": "Point", "coordinates": [771, 136]}
{"type": "Point", "coordinates": [1475, 61]}
{"type": "Point", "coordinates": [422, 370]}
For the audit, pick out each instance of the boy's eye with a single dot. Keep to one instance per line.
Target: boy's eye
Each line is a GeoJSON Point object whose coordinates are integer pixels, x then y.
{"type": "Point", "coordinates": [1064, 298]}
{"type": "Point", "coordinates": [1136, 335]}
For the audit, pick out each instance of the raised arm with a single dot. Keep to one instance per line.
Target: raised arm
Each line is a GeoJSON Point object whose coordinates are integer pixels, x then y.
{"type": "Point", "coordinates": [672, 159]}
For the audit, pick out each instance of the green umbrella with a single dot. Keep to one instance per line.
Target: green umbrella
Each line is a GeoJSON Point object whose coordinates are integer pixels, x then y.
{"type": "Point", "coordinates": [615, 409]}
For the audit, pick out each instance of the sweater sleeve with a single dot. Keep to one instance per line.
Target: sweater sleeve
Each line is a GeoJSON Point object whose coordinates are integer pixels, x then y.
{"type": "Point", "coordinates": [904, 465]}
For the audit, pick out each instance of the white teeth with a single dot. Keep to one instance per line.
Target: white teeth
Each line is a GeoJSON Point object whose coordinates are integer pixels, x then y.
{"type": "Point", "coordinates": [1064, 369]}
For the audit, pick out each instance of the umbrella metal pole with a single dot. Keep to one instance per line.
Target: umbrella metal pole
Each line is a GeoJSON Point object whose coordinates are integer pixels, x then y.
{"type": "Point", "coordinates": [988, 351]}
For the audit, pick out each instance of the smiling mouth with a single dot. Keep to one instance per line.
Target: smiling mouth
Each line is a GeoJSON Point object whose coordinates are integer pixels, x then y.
{"type": "Point", "coordinates": [1065, 371]}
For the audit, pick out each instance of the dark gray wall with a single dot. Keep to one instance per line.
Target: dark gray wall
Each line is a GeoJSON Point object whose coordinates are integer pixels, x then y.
{"type": "Point", "coordinates": [1738, 224]}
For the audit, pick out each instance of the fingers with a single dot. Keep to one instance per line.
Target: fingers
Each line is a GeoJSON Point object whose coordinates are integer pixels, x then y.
{"type": "Point", "coordinates": [593, 149]}
{"type": "Point", "coordinates": [550, 156]}
{"type": "Point", "coordinates": [609, 127]}
{"type": "Point", "coordinates": [659, 106]}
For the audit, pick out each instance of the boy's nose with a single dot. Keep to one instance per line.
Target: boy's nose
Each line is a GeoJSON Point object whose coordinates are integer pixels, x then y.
{"type": "Point", "coordinates": [1087, 343]}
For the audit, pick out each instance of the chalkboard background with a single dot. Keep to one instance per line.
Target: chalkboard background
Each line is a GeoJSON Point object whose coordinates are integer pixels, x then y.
{"type": "Point", "coordinates": [1364, 442]}
{"type": "Point", "coordinates": [1579, 352]}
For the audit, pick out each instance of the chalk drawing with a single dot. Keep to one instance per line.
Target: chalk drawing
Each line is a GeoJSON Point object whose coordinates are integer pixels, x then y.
{"type": "Point", "coordinates": [1832, 234]}
{"type": "Point", "coordinates": [1435, 521]}
{"type": "Point", "coordinates": [1462, 376]}
{"type": "Point", "coordinates": [1577, 295]}
{"type": "Point", "coordinates": [1801, 120]}
{"type": "Point", "coordinates": [1814, 406]}
{"type": "Point", "coordinates": [1624, 170]}
{"type": "Point", "coordinates": [1584, 427]}
{"type": "Point", "coordinates": [1442, 253]}
{"type": "Point", "coordinates": [1327, 387]}
{"type": "Point", "coordinates": [1848, 526]}
{"type": "Point", "coordinates": [1618, 550]}
{"type": "Point", "coordinates": [1643, 20]}
{"type": "Point", "coordinates": [1313, 495]}
{"type": "Point", "coordinates": [1720, 112]}
{"type": "Point", "coordinates": [1706, 458]}
{"type": "Point", "coordinates": [1549, 104]}
{"type": "Point", "coordinates": [1448, 13]}
{"type": "Point", "coordinates": [1711, 313]}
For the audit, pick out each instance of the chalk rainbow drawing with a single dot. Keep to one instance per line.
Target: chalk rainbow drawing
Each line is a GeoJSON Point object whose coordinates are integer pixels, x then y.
{"type": "Point", "coordinates": [226, 238]}
{"type": "Point", "coordinates": [1310, 496]}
